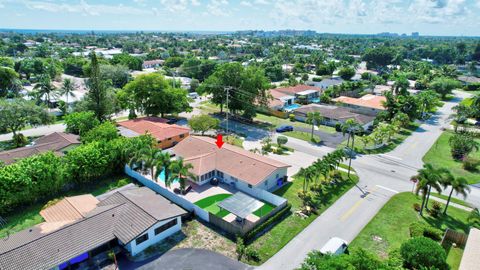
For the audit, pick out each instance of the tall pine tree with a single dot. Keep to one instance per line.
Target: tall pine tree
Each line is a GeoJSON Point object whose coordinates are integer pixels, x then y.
{"type": "Point", "coordinates": [97, 91]}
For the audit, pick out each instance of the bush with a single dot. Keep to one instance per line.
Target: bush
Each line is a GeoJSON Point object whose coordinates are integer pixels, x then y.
{"type": "Point", "coordinates": [338, 127]}
{"type": "Point", "coordinates": [422, 252]}
{"type": "Point", "coordinates": [291, 117]}
{"type": "Point", "coordinates": [19, 140]}
{"type": "Point", "coordinates": [436, 209]}
{"type": "Point", "coordinates": [470, 164]}
{"type": "Point", "coordinates": [416, 207]}
{"type": "Point", "coordinates": [263, 227]}
{"type": "Point", "coordinates": [81, 122]}
{"type": "Point", "coordinates": [419, 228]}
{"type": "Point", "coordinates": [252, 254]}
{"type": "Point", "coordinates": [104, 132]}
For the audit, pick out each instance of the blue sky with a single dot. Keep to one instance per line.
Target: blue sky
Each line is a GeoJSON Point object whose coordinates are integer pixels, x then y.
{"type": "Point", "coordinates": [432, 17]}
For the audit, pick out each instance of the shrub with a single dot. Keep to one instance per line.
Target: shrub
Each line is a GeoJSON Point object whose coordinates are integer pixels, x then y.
{"type": "Point", "coordinates": [272, 220]}
{"type": "Point", "coordinates": [252, 254]}
{"type": "Point", "coordinates": [419, 228]}
{"type": "Point", "coordinates": [240, 248]}
{"type": "Point", "coordinates": [338, 127]}
{"type": "Point", "coordinates": [422, 252]}
{"type": "Point", "coordinates": [470, 164]}
{"type": "Point", "coordinates": [81, 122]}
{"type": "Point", "coordinates": [291, 117]}
{"type": "Point", "coordinates": [281, 140]}
{"type": "Point", "coordinates": [104, 132]}
{"type": "Point", "coordinates": [417, 207]}
{"type": "Point", "coordinates": [20, 140]}
{"type": "Point", "coordinates": [436, 209]}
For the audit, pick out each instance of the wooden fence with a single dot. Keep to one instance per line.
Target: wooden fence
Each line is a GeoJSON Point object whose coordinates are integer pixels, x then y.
{"type": "Point", "coordinates": [451, 236]}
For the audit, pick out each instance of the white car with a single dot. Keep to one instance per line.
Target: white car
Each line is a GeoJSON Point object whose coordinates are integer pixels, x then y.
{"type": "Point", "coordinates": [334, 246]}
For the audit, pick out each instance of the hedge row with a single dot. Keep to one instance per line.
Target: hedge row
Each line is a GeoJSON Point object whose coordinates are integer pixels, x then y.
{"type": "Point", "coordinates": [262, 228]}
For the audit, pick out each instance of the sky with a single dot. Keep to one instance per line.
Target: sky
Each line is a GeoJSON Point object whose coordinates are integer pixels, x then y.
{"type": "Point", "coordinates": [429, 17]}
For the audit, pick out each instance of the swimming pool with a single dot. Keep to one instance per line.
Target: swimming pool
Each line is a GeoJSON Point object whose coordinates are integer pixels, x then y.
{"type": "Point", "coordinates": [161, 177]}
{"type": "Point", "coordinates": [315, 100]}
{"type": "Point", "coordinates": [291, 107]}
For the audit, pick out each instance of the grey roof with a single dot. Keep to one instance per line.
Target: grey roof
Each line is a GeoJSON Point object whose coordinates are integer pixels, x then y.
{"type": "Point", "coordinates": [240, 204]}
{"type": "Point", "coordinates": [123, 216]}
{"type": "Point", "coordinates": [334, 113]}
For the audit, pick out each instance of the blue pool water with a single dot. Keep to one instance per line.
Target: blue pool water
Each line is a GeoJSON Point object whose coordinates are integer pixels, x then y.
{"type": "Point", "coordinates": [315, 100]}
{"type": "Point", "coordinates": [291, 107]}
{"type": "Point", "coordinates": [162, 177]}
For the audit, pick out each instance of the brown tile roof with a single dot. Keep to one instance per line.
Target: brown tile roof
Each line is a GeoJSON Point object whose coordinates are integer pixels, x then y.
{"type": "Point", "coordinates": [155, 126]}
{"type": "Point", "coordinates": [368, 101]}
{"type": "Point", "coordinates": [53, 142]}
{"type": "Point", "coordinates": [205, 156]}
{"type": "Point", "coordinates": [70, 208]}
{"type": "Point", "coordinates": [292, 90]}
{"type": "Point", "coordinates": [123, 216]}
{"type": "Point", "coordinates": [334, 113]}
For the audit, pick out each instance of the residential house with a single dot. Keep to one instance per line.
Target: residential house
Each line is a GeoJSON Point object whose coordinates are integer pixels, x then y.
{"type": "Point", "coordinates": [326, 83]}
{"type": "Point", "coordinates": [333, 115]}
{"type": "Point", "coordinates": [78, 230]}
{"type": "Point", "coordinates": [58, 142]}
{"type": "Point", "coordinates": [302, 92]}
{"type": "Point", "coordinates": [152, 63]}
{"type": "Point", "coordinates": [167, 135]}
{"type": "Point", "coordinates": [230, 164]}
{"type": "Point", "coordinates": [280, 101]}
{"type": "Point", "coordinates": [466, 80]}
{"type": "Point", "coordinates": [367, 104]}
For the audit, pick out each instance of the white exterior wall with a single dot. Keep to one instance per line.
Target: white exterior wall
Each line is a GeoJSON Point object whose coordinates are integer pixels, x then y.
{"type": "Point", "coordinates": [271, 180]}
{"type": "Point", "coordinates": [134, 249]}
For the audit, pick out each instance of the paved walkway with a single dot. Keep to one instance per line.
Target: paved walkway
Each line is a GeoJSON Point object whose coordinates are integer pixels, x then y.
{"type": "Point", "coordinates": [456, 205]}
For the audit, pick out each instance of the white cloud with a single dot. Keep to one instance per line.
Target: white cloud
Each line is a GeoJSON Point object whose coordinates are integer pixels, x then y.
{"type": "Point", "coordinates": [84, 8]}
{"type": "Point", "coordinates": [246, 4]}
{"type": "Point", "coordinates": [218, 8]}
{"type": "Point", "coordinates": [179, 5]}
{"type": "Point", "coordinates": [438, 11]}
{"type": "Point", "coordinates": [261, 2]}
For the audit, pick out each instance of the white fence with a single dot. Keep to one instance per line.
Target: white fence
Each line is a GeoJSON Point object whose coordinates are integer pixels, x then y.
{"type": "Point", "coordinates": [263, 195]}
{"type": "Point", "coordinates": [167, 194]}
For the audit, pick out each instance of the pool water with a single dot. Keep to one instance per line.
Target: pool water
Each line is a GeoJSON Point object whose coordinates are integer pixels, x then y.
{"type": "Point", "coordinates": [161, 177]}
{"type": "Point", "coordinates": [291, 107]}
{"type": "Point", "coordinates": [315, 100]}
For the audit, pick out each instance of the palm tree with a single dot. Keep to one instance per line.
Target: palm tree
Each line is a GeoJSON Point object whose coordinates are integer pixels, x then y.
{"type": "Point", "coordinates": [474, 217]}
{"type": "Point", "coordinates": [162, 163]}
{"type": "Point", "coordinates": [458, 184]}
{"type": "Point", "coordinates": [428, 177]}
{"type": "Point", "coordinates": [68, 88]}
{"type": "Point", "coordinates": [181, 171]}
{"type": "Point", "coordinates": [351, 127]}
{"type": "Point", "coordinates": [307, 174]}
{"type": "Point", "coordinates": [314, 119]}
{"type": "Point", "coordinates": [44, 89]}
{"type": "Point", "coordinates": [146, 158]}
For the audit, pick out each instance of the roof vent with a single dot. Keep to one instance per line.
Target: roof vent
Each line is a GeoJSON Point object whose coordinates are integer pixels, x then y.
{"type": "Point", "coordinates": [113, 215]}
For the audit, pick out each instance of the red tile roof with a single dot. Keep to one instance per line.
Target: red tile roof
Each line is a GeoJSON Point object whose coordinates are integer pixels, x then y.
{"type": "Point", "coordinates": [155, 126]}
{"type": "Point", "coordinates": [368, 101]}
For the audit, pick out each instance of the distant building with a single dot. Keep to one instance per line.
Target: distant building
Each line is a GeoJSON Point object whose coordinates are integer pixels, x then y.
{"type": "Point", "coordinates": [326, 83]}
{"type": "Point", "coordinates": [152, 63]}
{"type": "Point", "coordinates": [415, 34]}
{"type": "Point", "coordinates": [167, 135]}
{"type": "Point", "coordinates": [280, 100]}
{"type": "Point", "coordinates": [468, 79]}
{"type": "Point", "coordinates": [301, 91]}
{"type": "Point", "coordinates": [58, 142]}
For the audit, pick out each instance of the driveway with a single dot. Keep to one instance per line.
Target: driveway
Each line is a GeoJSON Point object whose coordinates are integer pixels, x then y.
{"type": "Point", "coordinates": [187, 258]}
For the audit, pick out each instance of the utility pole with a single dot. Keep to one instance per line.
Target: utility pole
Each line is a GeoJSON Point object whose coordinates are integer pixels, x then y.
{"type": "Point", "coordinates": [226, 113]}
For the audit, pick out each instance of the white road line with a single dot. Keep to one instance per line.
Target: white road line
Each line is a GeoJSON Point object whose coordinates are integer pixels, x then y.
{"type": "Point", "coordinates": [389, 189]}
{"type": "Point", "coordinates": [385, 155]}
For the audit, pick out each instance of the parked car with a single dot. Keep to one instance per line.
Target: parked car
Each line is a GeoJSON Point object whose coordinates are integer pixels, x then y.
{"type": "Point", "coordinates": [284, 129]}
{"type": "Point", "coordinates": [335, 246]}
{"type": "Point", "coordinates": [193, 95]}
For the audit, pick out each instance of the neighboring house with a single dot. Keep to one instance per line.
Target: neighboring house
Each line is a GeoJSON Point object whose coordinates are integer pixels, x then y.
{"type": "Point", "coordinates": [368, 104]}
{"type": "Point", "coordinates": [280, 101]}
{"type": "Point", "coordinates": [466, 80]}
{"type": "Point", "coordinates": [134, 219]}
{"type": "Point", "coordinates": [152, 63]}
{"type": "Point", "coordinates": [167, 135]}
{"type": "Point", "coordinates": [230, 164]}
{"type": "Point", "coordinates": [333, 114]}
{"type": "Point", "coordinates": [58, 142]}
{"type": "Point", "coordinates": [326, 83]}
{"type": "Point", "coordinates": [471, 253]}
{"type": "Point", "coordinates": [301, 91]}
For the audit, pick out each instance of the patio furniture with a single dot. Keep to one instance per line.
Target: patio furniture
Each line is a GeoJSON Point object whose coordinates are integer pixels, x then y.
{"type": "Point", "coordinates": [214, 182]}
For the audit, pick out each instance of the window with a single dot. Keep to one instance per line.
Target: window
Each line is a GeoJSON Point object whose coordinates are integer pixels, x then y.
{"type": "Point", "coordinates": [182, 135]}
{"type": "Point", "coordinates": [166, 226]}
{"type": "Point", "coordinates": [250, 186]}
{"type": "Point", "coordinates": [141, 239]}
{"type": "Point", "coordinates": [169, 139]}
{"type": "Point", "coordinates": [220, 174]}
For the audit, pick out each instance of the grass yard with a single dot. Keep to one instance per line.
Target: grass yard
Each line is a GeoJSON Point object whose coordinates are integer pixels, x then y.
{"type": "Point", "coordinates": [29, 216]}
{"type": "Point", "coordinates": [303, 136]}
{"type": "Point", "coordinates": [390, 227]}
{"type": "Point", "coordinates": [395, 141]}
{"type": "Point", "coordinates": [452, 200]}
{"type": "Point", "coordinates": [265, 209]}
{"type": "Point", "coordinates": [210, 204]}
{"type": "Point", "coordinates": [234, 140]}
{"type": "Point", "coordinates": [277, 121]}
{"type": "Point", "coordinates": [454, 257]}
{"type": "Point", "coordinates": [276, 238]}
{"type": "Point", "coordinates": [439, 156]}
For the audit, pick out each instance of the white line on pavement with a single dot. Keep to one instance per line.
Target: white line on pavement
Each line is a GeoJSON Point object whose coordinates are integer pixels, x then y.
{"type": "Point", "coordinates": [389, 189]}
{"type": "Point", "coordinates": [385, 155]}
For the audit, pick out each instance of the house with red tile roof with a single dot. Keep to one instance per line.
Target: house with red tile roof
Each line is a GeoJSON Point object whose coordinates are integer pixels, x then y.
{"type": "Point", "coordinates": [167, 135]}
{"type": "Point", "coordinates": [279, 100]}
{"type": "Point", "coordinates": [310, 94]}
{"type": "Point", "coordinates": [230, 164]}
{"type": "Point", "coordinates": [368, 104]}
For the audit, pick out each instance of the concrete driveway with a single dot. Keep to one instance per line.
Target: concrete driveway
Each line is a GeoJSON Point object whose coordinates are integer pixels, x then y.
{"type": "Point", "coordinates": [188, 259]}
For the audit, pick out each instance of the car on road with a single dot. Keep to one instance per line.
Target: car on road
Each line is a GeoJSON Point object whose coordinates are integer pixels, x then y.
{"type": "Point", "coordinates": [285, 128]}
{"type": "Point", "coordinates": [193, 95]}
{"type": "Point", "coordinates": [335, 246]}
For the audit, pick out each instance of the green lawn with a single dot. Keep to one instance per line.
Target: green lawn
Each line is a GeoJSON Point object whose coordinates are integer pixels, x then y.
{"type": "Point", "coordinates": [454, 200]}
{"type": "Point", "coordinates": [454, 257]}
{"type": "Point", "coordinates": [303, 136]}
{"type": "Point", "coordinates": [396, 140]}
{"type": "Point", "coordinates": [284, 231]}
{"type": "Point", "coordinates": [390, 227]}
{"type": "Point", "coordinates": [234, 140]}
{"type": "Point", "coordinates": [29, 216]}
{"type": "Point", "coordinates": [439, 156]}
{"type": "Point", "coordinates": [277, 121]}
{"type": "Point", "coordinates": [265, 209]}
{"type": "Point", "coordinates": [210, 204]}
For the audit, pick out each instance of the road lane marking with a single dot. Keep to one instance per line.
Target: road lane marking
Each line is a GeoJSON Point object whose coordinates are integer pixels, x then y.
{"type": "Point", "coordinates": [389, 189]}
{"type": "Point", "coordinates": [356, 205]}
{"type": "Point", "coordinates": [397, 158]}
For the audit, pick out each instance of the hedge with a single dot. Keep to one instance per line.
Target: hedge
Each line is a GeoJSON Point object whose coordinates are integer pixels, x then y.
{"type": "Point", "coordinates": [262, 228]}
